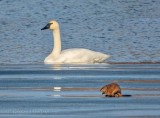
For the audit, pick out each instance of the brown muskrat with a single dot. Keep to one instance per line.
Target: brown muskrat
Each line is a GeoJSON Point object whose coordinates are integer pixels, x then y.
{"type": "Point", "coordinates": [111, 90]}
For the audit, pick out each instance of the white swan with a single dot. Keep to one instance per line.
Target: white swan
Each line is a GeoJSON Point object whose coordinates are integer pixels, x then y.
{"type": "Point", "coordinates": [70, 56]}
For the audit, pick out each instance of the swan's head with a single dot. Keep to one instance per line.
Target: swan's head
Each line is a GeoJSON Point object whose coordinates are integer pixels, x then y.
{"type": "Point", "coordinates": [52, 25]}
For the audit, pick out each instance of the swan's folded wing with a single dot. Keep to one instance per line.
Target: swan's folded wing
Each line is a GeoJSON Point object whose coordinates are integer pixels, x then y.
{"type": "Point", "coordinates": [79, 55]}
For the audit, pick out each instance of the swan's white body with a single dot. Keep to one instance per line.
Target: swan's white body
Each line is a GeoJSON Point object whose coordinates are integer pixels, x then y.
{"type": "Point", "coordinates": [77, 56]}
{"type": "Point", "coordinates": [70, 56]}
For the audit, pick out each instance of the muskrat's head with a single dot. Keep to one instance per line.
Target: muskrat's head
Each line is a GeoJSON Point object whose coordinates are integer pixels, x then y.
{"type": "Point", "coordinates": [104, 89]}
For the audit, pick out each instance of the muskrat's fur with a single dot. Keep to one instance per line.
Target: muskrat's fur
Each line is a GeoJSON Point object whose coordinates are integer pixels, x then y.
{"type": "Point", "coordinates": [111, 90]}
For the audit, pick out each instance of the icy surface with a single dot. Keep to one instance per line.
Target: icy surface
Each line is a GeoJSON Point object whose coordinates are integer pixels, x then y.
{"type": "Point", "coordinates": [44, 91]}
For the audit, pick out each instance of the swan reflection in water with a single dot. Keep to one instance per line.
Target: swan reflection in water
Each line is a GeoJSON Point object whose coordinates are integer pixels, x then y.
{"type": "Point", "coordinates": [57, 90]}
{"type": "Point", "coordinates": [70, 56]}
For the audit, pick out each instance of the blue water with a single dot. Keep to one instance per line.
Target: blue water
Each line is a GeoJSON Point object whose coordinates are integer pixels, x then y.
{"type": "Point", "coordinates": [127, 30]}
{"type": "Point", "coordinates": [73, 91]}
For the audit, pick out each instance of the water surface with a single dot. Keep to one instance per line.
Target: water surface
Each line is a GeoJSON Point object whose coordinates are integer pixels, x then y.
{"type": "Point", "coordinates": [128, 30]}
{"type": "Point", "coordinates": [73, 90]}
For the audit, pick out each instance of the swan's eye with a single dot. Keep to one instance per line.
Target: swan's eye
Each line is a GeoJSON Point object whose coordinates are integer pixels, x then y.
{"type": "Point", "coordinates": [47, 26]}
{"type": "Point", "coordinates": [50, 23]}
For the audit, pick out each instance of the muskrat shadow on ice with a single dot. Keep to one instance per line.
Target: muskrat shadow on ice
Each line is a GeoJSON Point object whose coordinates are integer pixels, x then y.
{"type": "Point", "coordinates": [112, 90]}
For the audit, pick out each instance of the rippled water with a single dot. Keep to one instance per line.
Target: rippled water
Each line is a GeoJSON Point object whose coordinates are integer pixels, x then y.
{"type": "Point", "coordinates": [73, 90]}
{"type": "Point", "coordinates": [127, 30]}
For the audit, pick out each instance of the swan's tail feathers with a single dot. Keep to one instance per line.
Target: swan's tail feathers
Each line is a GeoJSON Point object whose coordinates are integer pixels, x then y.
{"type": "Point", "coordinates": [101, 58]}
{"type": "Point", "coordinates": [106, 57]}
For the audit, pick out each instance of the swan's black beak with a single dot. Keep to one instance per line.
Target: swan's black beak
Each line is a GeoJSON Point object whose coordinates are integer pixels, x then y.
{"type": "Point", "coordinates": [47, 26]}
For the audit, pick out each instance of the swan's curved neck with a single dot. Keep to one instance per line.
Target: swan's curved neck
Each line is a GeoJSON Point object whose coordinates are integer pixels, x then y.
{"type": "Point", "coordinates": [57, 42]}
